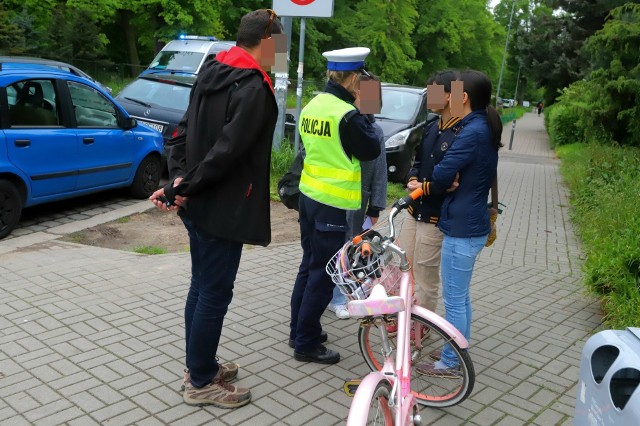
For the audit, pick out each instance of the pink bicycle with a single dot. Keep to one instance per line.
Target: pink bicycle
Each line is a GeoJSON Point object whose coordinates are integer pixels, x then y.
{"type": "Point", "coordinates": [374, 273]}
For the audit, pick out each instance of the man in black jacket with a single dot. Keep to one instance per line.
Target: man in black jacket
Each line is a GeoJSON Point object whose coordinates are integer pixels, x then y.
{"type": "Point", "coordinates": [220, 182]}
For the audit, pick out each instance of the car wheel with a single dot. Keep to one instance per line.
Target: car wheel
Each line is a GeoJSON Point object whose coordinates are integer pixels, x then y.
{"type": "Point", "coordinates": [147, 177]}
{"type": "Point", "coordinates": [10, 207]}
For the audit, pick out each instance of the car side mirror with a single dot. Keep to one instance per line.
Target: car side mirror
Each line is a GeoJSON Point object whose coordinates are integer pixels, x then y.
{"type": "Point", "coordinates": [130, 123]}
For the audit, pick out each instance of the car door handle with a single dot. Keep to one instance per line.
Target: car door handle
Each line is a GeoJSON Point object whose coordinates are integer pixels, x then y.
{"type": "Point", "coordinates": [20, 143]}
{"type": "Point", "coordinates": [87, 141]}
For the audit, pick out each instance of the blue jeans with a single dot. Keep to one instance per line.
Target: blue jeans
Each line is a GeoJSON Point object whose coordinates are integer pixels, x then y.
{"type": "Point", "coordinates": [214, 265]}
{"type": "Point", "coordinates": [338, 297]}
{"type": "Point", "coordinates": [458, 258]}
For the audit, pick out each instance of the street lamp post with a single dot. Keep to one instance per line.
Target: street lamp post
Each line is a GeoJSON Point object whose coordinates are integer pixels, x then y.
{"type": "Point", "coordinates": [515, 94]}
{"type": "Point", "coordinates": [504, 53]}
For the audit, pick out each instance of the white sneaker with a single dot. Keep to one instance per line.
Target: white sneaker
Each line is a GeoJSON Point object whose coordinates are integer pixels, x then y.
{"type": "Point", "coordinates": [340, 310]}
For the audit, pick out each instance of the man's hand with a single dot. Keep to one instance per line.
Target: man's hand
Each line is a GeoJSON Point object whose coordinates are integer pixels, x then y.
{"type": "Point", "coordinates": [156, 199]}
{"type": "Point", "coordinates": [412, 185]}
{"type": "Point", "coordinates": [179, 200]}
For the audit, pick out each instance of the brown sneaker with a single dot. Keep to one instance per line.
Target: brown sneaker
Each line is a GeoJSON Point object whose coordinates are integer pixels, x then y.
{"type": "Point", "coordinates": [228, 371]}
{"type": "Point", "coordinates": [218, 393]}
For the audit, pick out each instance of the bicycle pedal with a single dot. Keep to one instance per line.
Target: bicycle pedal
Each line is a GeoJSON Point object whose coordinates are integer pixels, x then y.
{"type": "Point", "coordinates": [351, 386]}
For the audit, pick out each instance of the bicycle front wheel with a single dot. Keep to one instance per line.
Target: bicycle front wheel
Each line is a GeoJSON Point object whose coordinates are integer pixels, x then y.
{"type": "Point", "coordinates": [378, 411]}
{"type": "Point", "coordinates": [429, 390]}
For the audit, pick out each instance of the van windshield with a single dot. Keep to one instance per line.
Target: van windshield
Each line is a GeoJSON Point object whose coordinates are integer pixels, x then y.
{"type": "Point", "coordinates": [178, 61]}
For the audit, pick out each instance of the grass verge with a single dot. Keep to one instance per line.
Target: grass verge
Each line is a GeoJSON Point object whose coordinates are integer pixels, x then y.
{"type": "Point", "coordinates": [150, 250]}
{"type": "Point", "coordinates": [605, 199]}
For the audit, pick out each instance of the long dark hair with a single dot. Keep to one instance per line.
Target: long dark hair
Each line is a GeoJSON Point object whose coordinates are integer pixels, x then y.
{"type": "Point", "coordinates": [479, 89]}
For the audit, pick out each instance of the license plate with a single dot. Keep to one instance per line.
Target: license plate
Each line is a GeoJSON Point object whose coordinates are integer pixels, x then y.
{"type": "Point", "coordinates": [156, 126]}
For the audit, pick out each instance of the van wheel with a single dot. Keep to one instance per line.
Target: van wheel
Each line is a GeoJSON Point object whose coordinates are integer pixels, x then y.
{"type": "Point", "coordinates": [147, 177]}
{"type": "Point", "coordinates": [10, 207]}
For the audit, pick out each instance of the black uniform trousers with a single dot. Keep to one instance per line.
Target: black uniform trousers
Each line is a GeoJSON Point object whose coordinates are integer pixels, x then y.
{"type": "Point", "coordinates": [323, 230]}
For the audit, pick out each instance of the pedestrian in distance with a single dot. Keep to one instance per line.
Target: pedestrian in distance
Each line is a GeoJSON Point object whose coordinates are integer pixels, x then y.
{"type": "Point", "coordinates": [539, 107]}
{"type": "Point", "coordinates": [464, 217]}
{"type": "Point", "coordinates": [336, 137]}
{"type": "Point", "coordinates": [220, 183]}
{"type": "Point", "coordinates": [421, 237]}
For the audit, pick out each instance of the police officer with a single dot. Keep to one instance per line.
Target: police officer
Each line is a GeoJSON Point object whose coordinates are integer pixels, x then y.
{"type": "Point", "coordinates": [336, 137]}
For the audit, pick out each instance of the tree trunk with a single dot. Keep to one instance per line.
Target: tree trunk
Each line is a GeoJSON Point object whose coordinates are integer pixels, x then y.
{"type": "Point", "coordinates": [522, 89]}
{"type": "Point", "coordinates": [124, 17]}
{"type": "Point", "coordinates": [155, 24]}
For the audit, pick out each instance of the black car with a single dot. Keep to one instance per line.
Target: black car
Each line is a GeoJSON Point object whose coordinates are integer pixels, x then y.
{"type": "Point", "coordinates": [158, 100]}
{"type": "Point", "coordinates": [402, 118]}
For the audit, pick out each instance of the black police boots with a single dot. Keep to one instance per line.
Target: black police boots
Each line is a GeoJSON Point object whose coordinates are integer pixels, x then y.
{"type": "Point", "coordinates": [322, 355]}
{"type": "Point", "coordinates": [323, 338]}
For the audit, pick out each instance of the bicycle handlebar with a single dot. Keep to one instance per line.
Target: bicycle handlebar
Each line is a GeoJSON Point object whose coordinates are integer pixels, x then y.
{"type": "Point", "coordinates": [399, 205]}
{"type": "Point", "coordinates": [367, 247]}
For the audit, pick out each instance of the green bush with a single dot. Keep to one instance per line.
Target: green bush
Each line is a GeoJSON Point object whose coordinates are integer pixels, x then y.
{"type": "Point", "coordinates": [606, 211]}
{"type": "Point", "coordinates": [562, 121]}
{"type": "Point", "coordinates": [583, 113]}
{"type": "Point", "coordinates": [613, 52]}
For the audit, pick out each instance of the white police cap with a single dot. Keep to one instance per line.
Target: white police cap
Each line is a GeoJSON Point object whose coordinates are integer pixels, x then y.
{"type": "Point", "coordinates": [349, 59]}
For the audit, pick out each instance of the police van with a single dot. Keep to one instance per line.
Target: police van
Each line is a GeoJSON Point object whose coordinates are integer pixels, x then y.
{"type": "Point", "coordinates": [187, 54]}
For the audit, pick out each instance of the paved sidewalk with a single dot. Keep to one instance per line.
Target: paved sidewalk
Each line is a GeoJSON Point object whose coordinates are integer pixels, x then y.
{"type": "Point", "coordinates": [94, 336]}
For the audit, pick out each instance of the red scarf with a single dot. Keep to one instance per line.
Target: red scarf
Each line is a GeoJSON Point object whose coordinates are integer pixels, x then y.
{"type": "Point", "coordinates": [237, 57]}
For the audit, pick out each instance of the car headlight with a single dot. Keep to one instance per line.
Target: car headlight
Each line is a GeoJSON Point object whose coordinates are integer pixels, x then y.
{"type": "Point", "coordinates": [398, 139]}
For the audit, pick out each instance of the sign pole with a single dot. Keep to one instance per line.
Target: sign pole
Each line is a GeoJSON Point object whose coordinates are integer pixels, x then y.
{"type": "Point", "coordinates": [281, 94]}
{"type": "Point", "coordinates": [303, 24]}
{"type": "Point", "coordinates": [304, 9]}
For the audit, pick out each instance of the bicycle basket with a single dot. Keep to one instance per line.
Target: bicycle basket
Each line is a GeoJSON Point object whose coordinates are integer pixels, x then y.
{"type": "Point", "coordinates": [355, 274]}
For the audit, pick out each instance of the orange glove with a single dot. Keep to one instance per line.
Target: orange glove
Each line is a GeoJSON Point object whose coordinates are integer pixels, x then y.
{"type": "Point", "coordinates": [493, 234]}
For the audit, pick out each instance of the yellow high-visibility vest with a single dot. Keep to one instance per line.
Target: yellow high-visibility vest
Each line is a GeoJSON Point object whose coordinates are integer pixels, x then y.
{"type": "Point", "coordinates": [328, 175]}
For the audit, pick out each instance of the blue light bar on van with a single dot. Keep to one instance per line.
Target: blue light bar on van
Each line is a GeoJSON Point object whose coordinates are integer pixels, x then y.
{"type": "Point", "coordinates": [195, 37]}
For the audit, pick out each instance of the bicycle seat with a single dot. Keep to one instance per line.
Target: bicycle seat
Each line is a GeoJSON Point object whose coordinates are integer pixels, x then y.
{"type": "Point", "coordinates": [378, 303]}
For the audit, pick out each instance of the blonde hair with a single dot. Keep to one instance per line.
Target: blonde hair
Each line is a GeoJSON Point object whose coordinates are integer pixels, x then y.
{"type": "Point", "coordinates": [339, 76]}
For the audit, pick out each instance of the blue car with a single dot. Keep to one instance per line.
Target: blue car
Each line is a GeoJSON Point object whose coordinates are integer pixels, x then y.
{"type": "Point", "coordinates": [62, 136]}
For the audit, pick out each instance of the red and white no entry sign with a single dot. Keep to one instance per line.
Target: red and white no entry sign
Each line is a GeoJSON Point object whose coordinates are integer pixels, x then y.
{"type": "Point", "coordinates": [304, 8]}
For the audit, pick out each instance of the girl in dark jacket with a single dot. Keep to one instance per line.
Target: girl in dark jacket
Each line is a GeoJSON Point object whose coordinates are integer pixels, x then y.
{"type": "Point", "coordinates": [464, 217]}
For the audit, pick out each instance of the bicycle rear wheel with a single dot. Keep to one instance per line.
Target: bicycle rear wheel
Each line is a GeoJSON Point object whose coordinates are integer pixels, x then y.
{"type": "Point", "coordinates": [379, 412]}
{"type": "Point", "coordinates": [428, 390]}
